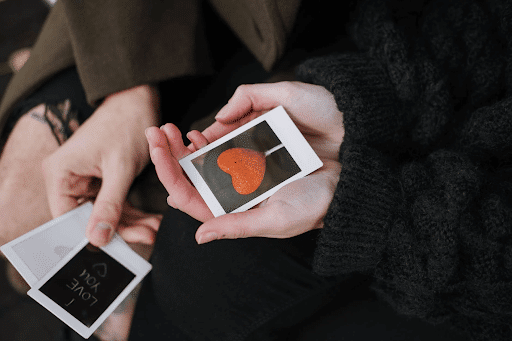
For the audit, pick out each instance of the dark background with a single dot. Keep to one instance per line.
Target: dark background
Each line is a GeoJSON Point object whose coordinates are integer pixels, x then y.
{"type": "Point", "coordinates": [21, 318]}
{"type": "Point", "coordinates": [20, 22]}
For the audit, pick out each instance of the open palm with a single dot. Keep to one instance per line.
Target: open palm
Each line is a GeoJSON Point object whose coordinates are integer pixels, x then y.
{"type": "Point", "coordinates": [296, 208]}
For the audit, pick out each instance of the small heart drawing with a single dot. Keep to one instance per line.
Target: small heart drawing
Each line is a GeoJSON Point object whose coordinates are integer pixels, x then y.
{"type": "Point", "coordinates": [246, 167]}
{"type": "Point", "coordinates": [101, 269]}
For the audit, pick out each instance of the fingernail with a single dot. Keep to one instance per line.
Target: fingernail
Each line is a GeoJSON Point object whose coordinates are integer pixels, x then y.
{"type": "Point", "coordinates": [146, 132]}
{"type": "Point", "coordinates": [207, 237]}
{"type": "Point", "coordinates": [104, 231]}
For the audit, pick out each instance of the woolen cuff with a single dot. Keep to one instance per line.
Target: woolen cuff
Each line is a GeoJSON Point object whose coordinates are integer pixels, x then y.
{"type": "Point", "coordinates": [358, 220]}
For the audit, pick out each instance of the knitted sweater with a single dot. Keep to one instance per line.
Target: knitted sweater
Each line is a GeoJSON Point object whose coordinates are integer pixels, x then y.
{"type": "Point", "coordinates": [424, 201]}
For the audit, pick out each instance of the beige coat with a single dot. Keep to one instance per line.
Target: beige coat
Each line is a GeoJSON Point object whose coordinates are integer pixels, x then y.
{"type": "Point", "coordinates": [119, 44]}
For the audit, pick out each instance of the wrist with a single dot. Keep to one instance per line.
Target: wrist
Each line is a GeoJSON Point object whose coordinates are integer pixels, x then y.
{"type": "Point", "coordinates": [143, 101]}
{"type": "Point", "coordinates": [143, 90]}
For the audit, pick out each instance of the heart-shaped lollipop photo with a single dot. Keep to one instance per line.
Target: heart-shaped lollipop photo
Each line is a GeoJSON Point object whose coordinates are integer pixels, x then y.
{"type": "Point", "coordinates": [246, 166]}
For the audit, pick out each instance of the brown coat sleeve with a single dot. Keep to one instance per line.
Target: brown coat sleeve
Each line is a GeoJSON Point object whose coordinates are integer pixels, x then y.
{"type": "Point", "coordinates": [118, 44]}
{"type": "Point", "coordinates": [51, 53]}
{"type": "Point", "coordinates": [262, 25]}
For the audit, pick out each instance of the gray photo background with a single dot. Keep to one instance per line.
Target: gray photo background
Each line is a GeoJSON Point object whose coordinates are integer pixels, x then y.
{"type": "Point", "coordinates": [280, 166]}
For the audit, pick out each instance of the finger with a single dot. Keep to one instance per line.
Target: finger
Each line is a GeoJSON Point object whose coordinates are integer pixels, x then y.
{"type": "Point", "coordinates": [264, 221]}
{"type": "Point", "coordinates": [173, 134]}
{"type": "Point", "coordinates": [183, 195]}
{"type": "Point", "coordinates": [60, 203]}
{"type": "Point", "coordinates": [171, 202]}
{"type": "Point", "coordinates": [198, 140]}
{"type": "Point", "coordinates": [63, 188]}
{"type": "Point", "coordinates": [108, 206]}
{"type": "Point", "coordinates": [219, 129]}
{"type": "Point", "coordinates": [166, 164]}
{"type": "Point", "coordinates": [167, 167]}
{"type": "Point", "coordinates": [131, 212]}
{"type": "Point", "coordinates": [156, 138]}
{"type": "Point", "coordinates": [254, 97]}
{"type": "Point", "coordinates": [133, 216]}
{"type": "Point", "coordinates": [137, 226]}
{"type": "Point", "coordinates": [151, 222]}
{"type": "Point", "coordinates": [137, 234]}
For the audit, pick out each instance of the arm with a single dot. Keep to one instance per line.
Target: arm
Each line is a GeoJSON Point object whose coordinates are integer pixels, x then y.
{"type": "Point", "coordinates": [101, 160]}
{"type": "Point", "coordinates": [434, 233]}
{"type": "Point", "coordinates": [430, 223]}
{"type": "Point", "coordinates": [296, 208]}
{"type": "Point", "coordinates": [118, 45]}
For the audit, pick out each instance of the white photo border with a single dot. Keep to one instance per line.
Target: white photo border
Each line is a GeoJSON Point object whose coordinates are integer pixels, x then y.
{"type": "Point", "coordinates": [84, 211]}
{"type": "Point", "coordinates": [290, 136]}
{"type": "Point", "coordinates": [122, 253]}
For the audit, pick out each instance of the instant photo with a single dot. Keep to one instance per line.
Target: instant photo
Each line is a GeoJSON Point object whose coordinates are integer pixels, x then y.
{"type": "Point", "coordinates": [249, 164]}
{"type": "Point", "coordinates": [88, 284]}
{"type": "Point", "coordinates": [262, 174]}
{"type": "Point", "coordinates": [37, 252]}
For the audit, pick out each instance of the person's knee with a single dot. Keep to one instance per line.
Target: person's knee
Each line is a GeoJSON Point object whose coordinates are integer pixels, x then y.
{"type": "Point", "coordinates": [27, 144]}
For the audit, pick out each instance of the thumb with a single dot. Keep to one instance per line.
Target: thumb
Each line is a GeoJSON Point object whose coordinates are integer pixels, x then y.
{"type": "Point", "coordinates": [108, 208]}
{"type": "Point", "coordinates": [257, 222]}
{"type": "Point", "coordinates": [252, 98]}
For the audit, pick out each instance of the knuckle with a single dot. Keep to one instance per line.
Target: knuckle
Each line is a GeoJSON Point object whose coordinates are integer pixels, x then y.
{"type": "Point", "coordinates": [241, 232]}
{"type": "Point", "coordinates": [46, 165]}
{"type": "Point", "coordinates": [241, 90]}
{"type": "Point", "coordinates": [154, 223]}
{"type": "Point", "coordinates": [181, 202]}
{"type": "Point", "coordinates": [291, 91]}
{"type": "Point", "coordinates": [125, 163]}
{"type": "Point", "coordinates": [279, 216]}
{"type": "Point", "coordinates": [148, 237]}
{"type": "Point", "coordinates": [109, 208]}
{"type": "Point", "coordinates": [171, 202]}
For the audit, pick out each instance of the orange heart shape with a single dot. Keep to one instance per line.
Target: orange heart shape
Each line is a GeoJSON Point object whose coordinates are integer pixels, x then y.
{"type": "Point", "coordinates": [246, 167]}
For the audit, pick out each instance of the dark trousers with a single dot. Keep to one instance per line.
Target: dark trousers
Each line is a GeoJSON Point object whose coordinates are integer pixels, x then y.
{"type": "Point", "coordinates": [258, 289]}
{"type": "Point", "coordinates": [228, 289]}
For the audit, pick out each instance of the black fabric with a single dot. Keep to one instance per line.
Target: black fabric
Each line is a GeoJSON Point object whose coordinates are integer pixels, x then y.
{"type": "Point", "coordinates": [257, 289]}
{"type": "Point", "coordinates": [424, 199]}
{"type": "Point", "coordinates": [67, 334]}
{"type": "Point", "coordinates": [64, 85]}
{"type": "Point", "coordinates": [229, 290]}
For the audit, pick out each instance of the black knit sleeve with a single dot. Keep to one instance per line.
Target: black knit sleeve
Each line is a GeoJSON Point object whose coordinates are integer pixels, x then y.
{"type": "Point", "coordinates": [371, 110]}
{"type": "Point", "coordinates": [436, 233]}
{"type": "Point", "coordinates": [424, 201]}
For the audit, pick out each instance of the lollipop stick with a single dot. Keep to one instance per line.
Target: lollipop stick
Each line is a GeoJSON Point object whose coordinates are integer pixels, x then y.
{"type": "Point", "coordinates": [270, 151]}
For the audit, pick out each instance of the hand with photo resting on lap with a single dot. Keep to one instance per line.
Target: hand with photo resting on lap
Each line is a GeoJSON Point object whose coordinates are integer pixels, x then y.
{"type": "Point", "coordinates": [100, 161]}
{"type": "Point", "coordinates": [296, 208]}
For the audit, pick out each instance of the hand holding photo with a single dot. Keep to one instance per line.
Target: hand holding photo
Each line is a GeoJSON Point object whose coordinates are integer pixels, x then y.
{"type": "Point", "coordinates": [251, 163]}
{"type": "Point", "coordinates": [77, 282]}
{"type": "Point", "coordinates": [246, 167]}
{"type": "Point", "coordinates": [37, 252]}
{"type": "Point", "coordinates": [91, 284]}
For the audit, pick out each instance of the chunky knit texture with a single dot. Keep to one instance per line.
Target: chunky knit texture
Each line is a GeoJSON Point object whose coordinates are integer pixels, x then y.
{"type": "Point", "coordinates": [424, 201]}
